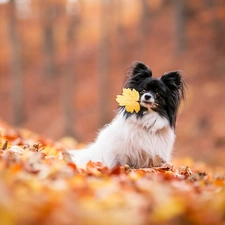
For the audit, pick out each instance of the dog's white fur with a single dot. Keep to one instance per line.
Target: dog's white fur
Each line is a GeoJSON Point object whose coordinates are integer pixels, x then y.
{"type": "Point", "coordinates": [138, 142]}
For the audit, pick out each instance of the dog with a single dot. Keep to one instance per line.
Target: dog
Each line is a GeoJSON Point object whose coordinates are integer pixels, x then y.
{"type": "Point", "coordinates": [141, 139]}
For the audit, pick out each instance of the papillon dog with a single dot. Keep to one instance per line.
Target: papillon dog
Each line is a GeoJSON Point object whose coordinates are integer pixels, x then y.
{"type": "Point", "coordinates": [144, 139]}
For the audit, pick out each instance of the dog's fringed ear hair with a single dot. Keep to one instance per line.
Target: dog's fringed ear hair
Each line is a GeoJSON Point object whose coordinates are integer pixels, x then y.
{"type": "Point", "coordinates": [139, 68]}
{"type": "Point", "coordinates": [173, 80]}
{"type": "Point", "coordinates": [137, 72]}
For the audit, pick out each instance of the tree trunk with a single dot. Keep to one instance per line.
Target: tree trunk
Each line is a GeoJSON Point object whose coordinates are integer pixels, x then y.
{"type": "Point", "coordinates": [180, 26]}
{"type": "Point", "coordinates": [143, 28]}
{"type": "Point", "coordinates": [68, 79]}
{"type": "Point", "coordinates": [49, 15]}
{"type": "Point", "coordinates": [104, 63]}
{"type": "Point", "coordinates": [122, 42]}
{"type": "Point", "coordinates": [15, 67]}
{"type": "Point", "coordinates": [67, 98]}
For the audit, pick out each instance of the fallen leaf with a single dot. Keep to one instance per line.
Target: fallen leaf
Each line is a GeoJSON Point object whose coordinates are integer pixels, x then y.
{"type": "Point", "coordinates": [39, 184]}
{"type": "Point", "coordinates": [4, 147]}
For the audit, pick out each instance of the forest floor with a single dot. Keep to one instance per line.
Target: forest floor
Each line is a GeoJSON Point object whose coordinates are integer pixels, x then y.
{"type": "Point", "coordinates": [39, 184]}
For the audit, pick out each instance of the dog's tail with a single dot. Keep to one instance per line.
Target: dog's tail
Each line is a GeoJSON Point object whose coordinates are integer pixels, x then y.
{"type": "Point", "coordinates": [81, 157]}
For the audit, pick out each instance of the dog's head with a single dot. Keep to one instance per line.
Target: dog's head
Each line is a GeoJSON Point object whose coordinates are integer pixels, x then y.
{"type": "Point", "coordinates": [160, 95]}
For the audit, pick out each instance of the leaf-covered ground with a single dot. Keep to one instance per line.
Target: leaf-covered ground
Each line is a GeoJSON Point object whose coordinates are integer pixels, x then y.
{"type": "Point", "coordinates": [40, 185]}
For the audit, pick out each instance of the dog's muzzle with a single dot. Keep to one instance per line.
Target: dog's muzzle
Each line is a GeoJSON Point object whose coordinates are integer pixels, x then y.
{"type": "Point", "coordinates": [147, 98]}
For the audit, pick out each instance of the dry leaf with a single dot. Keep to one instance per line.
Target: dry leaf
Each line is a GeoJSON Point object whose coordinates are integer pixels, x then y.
{"type": "Point", "coordinates": [129, 99]}
{"type": "Point", "coordinates": [158, 161]}
{"type": "Point", "coordinates": [46, 187]}
{"type": "Point", "coordinates": [4, 147]}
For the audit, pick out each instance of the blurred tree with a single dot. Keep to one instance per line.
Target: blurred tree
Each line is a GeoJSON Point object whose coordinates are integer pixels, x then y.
{"type": "Point", "coordinates": [209, 3]}
{"type": "Point", "coordinates": [122, 42]}
{"type": "Point", "coordinates": [68, 78]}
{"type": "Point", "coordinates": [143, 28]}
{"type": "Point", "coordinates": [218, 24]}
{"type": "Point", "coordinates": [50, 11]}
{"type": "Point", "coordinates": [145, 17]}
{"type": "Point", "coordinates": [180, 25]}
{"type": "Point", "coordinates": [104, 64]}
{"type": "Point", "coordinates": [15, 66]}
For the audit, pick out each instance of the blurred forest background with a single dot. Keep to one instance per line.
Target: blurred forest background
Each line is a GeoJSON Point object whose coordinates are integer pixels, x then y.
{"type": "Point", "coordinates": [62, 63]}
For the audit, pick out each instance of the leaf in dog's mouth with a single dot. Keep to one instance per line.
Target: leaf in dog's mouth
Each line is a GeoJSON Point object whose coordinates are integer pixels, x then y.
{"type": "Point", "coordinates": [129, 99]}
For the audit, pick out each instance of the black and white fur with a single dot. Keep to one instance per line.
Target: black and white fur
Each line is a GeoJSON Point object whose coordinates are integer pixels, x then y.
{"type": "Point", "coordinates": [143, 139]}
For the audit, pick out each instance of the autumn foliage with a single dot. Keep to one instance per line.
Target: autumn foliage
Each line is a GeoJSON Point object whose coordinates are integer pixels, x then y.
{"type": "Point", "coordinates": [40, 185]}
{"type": "Point", "coordinates": [62, 63]}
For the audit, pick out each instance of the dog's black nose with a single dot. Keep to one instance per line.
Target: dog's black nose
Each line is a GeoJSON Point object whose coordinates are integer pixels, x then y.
{"type": "Point", "coordinates": [147, 96]}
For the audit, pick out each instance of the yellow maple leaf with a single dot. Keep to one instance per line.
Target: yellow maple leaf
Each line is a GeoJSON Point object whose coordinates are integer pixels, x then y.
{"type": "Point", "coordinates": [129, 99]}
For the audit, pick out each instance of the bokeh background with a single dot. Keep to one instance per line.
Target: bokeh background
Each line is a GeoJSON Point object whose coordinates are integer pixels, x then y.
{"type": "Point", "coordinates": [62, 63]}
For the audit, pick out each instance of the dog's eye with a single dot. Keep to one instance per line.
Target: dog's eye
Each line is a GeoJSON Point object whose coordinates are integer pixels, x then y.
{"type": "Point", "coordinates": [157, 94]}
{"type": "Point", "coordinates": [142, 92]}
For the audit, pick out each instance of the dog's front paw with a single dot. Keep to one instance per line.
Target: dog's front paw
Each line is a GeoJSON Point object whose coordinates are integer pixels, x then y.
{"type": "Point", "coordinates": [159, 162]}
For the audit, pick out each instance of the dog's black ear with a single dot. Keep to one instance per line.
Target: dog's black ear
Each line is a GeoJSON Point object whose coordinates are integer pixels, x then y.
{"type": "Point", "coordinates": [136, 74]}
{"type": "Point", "coordinates": [139, 68]}
{"type": "Point", "coordinates": [174, 81]}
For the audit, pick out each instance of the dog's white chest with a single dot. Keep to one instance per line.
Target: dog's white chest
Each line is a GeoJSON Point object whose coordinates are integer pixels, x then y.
{"type": "Point", "coordinates": [138, 143]}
